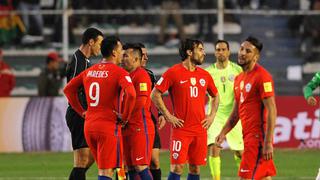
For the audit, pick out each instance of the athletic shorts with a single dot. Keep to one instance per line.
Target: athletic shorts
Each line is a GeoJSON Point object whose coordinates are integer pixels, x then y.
{"type": "Point", "coordinates": [253, 166]}
{"type": "Point", "coordinates": [191, 149]}
{"type": "Point", "coordinates": [106, 149]}
{"type": "Point", "coordinates": [75, 124]}
{"type": "Point", "coordinates": [137, 148]}
{"type": "Point", "coordinates": [234, 137]}
{"type": "Point", "coordinates": [156, 142]}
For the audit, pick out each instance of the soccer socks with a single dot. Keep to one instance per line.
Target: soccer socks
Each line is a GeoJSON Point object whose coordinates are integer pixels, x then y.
{"type": "Point", "coordinates": [156, 174]}
{"type": "Point", "coordinates": [215, 164]}
{"type": "Point", "coordinates": [193, 177]}
{"type": "Point", "coordinates": [104, 178]}
{"type": "Point", "coordinates": [145, 174]}
{"type": "Point", "coordinates": [78, 173]}
{"type": "Point", "coordinates": [238, 160]}
{"type": "Point", "coordinates": [173, 176]}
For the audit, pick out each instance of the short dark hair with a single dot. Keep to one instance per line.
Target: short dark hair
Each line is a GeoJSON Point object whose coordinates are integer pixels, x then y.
{"type": "Point", "coordinates": [136, 47]}
{"type": "Point", "coordinates": [141, 45]}
{"type": "Point", "coordinates": [108, 44]}
{"type": "Point", "coordinates": [188, 44]}
{"type": "Point", "coordinates": [90, 33]}
{"type": "Point", "coordinates": [221, 41]}
{"type": "Point", "coordinates": [254, 41]}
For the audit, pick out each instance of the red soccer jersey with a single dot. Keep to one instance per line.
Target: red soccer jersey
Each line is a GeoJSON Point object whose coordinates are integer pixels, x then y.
{"type": "Point", "coordinates": [188, 90]}
{"type": "Point", "coordinates": [102, 83]}
{"type": "Point", "coordinates": [141, 116]}
{"type": "Point", "coordinates": [250, 89]}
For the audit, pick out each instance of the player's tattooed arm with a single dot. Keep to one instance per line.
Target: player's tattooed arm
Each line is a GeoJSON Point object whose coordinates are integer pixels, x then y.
{"type": "Point", "coordinates": [156, 97]}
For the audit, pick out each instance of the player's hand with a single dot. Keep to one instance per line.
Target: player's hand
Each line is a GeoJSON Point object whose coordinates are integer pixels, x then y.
{"type": "Point", "coordinates": [206, 123]}
{"type": "Point", "coordinates": [219, 139]}
{"type": "Point", "coordinates": [267, 151]}
{"type": "Point", "coordinates": [119, 119]}
{"type": "Point", "coordinates": [176, 122]}
{"type": "Point", "coordinates": [312, 101]}
{"type": "Point", "coordinates": [162, 121]}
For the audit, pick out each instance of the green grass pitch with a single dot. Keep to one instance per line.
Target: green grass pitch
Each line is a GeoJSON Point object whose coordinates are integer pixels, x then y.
{"type": "Point", "coordinates": [291, 165]}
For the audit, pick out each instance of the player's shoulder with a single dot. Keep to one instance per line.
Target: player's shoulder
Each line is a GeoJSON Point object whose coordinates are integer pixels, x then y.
{"type": "Point", "coordinates": [262, 71]}
{"type": "Point", "coordinates": [203, 71]}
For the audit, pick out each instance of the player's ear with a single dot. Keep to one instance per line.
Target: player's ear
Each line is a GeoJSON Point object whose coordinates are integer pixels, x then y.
{"type": "Point", "coordinates": [189, 52]}
{"type": "Point", "coordinates": [91, 42]}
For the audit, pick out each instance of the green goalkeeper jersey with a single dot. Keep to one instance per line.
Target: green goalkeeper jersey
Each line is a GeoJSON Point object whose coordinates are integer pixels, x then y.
{"type": "Point", "coordinates": [312, 85]}
{"type": "Point", "coordinates": [224, 79]}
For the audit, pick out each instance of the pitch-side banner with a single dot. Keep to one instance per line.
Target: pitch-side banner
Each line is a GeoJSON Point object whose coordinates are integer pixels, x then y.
{"type": "Point", "coordinates": [38, 124]}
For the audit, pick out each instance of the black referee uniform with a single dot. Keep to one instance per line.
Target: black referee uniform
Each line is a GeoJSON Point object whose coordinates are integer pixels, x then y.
{"type": "Point", "coordinates": [157, 142]}
{"type": "Point", "coordinates": [75, 122]}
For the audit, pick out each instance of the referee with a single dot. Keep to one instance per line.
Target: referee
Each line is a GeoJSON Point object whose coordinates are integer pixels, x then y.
{"type": "Point", "coordinates": [83, 159]}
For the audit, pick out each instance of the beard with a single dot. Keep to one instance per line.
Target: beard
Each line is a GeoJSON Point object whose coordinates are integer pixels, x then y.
{"type": "Point", "coordinates": [197, 61]}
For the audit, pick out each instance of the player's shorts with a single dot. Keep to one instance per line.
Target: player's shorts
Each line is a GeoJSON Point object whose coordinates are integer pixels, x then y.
{"type": "Point", "coordinates": [137, 148]}
{"type": "Point", "coordinates": [188, 148]}
{"type": "Point", "coordinates": [253, 166]}
{"type": "Point", "coordinates": [75, 124]}
{"type": "Point", "coordinates": [156, 142]}
{"type": "Point", "coordinates": [106, 149]}
{"type": "Point", "coordinates": [234, 137]}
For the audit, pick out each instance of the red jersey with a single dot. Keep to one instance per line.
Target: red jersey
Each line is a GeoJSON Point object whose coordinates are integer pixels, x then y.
{"type": "Point", "coordinates": [188, 90]}
{"type": "Point", "coordinates": [250, 89]}
{"type": "Point", "coordinates": [141, 116]}
{"type": "Point", "coordinates": [103, 83]}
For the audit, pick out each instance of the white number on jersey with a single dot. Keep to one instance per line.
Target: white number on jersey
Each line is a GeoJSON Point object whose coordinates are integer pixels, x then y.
{"type": "Point", "coordinates": [193, 91]}
{"type": "Point", "coordinates": [176, 146]}
{"type": "Point", "coordinates": [94, 87]}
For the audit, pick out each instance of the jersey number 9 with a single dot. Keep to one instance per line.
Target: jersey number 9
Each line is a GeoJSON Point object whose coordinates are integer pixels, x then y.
{"type": "Point", "coordinates": [94, 96]}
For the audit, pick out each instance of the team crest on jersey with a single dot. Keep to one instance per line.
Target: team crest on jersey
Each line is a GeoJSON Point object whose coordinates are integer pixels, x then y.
{"type": "Point", "coordinates": [202, 82]}
{"type": "Point", "coordinates": [241, 85]}
{"type": "Point", "coordinates": [175, 155]}
{"type": "Point", "coordinates": [193, 81]}
{"type": "Point", "coordinates": [248, 87]}
{"type": "Point", "coordinates": [231, 77]}
{"type": "Point", "coordinates": [223, 79]}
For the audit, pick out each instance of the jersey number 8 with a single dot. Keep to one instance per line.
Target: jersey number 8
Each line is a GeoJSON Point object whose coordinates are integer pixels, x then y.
{"type": "Point", "coordinates": [94, 96]}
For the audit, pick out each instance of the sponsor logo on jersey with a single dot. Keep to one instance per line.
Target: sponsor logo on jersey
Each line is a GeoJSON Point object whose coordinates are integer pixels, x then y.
{"type": "Point", "coordinates": [139, 158]}
{"type": "Point", "coordinates": [223, 79]}
{"type": "Point", "coordinates": [193, 81]}
{"type": "Point", "coordinates": [267, 86]}
{"type": "Point", "coordinates": [244, 170]}
{"type": "Point", "coordinates": [143, 86]}
{"type": "Point", "coordinates": [182, 82]}
{"type": "Point", "coordinates": [202, 82]}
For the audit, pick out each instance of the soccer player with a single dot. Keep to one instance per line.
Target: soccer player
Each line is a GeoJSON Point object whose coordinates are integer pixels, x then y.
{"type": "Point", "coordinates": [140, 127]}
{"type": "Point", "coordinates": [311, 100]}
{"type": "Point", "coordinates": [104, 84]}
{"type": "Point", "coordinates": [155, 155]}
{"type": "Point", "coordinates": [255, 106]}
{"type": "Point", "coordinates": [91, 40]}
{"type": "Point", "coordinates": [223, 72]}
{"type": "Point", "coordinates": [311, 86]}
{"type": "Point", "coordinates": [187, 85]}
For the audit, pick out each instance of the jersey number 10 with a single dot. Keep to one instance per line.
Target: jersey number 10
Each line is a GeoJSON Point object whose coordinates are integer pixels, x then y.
{"type": "Point", "coordinates": [193, 91]}
{"type": "Point", "coordinates": [94, 96]}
